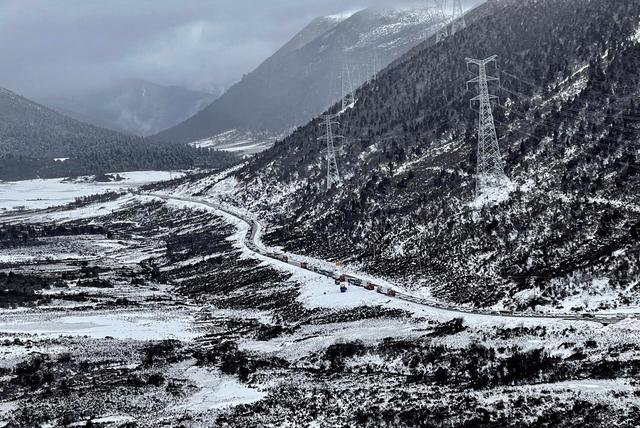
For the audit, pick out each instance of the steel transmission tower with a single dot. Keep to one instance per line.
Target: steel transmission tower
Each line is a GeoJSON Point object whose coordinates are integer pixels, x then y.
{"type": "Point", "coordinates": [375, 63]}
{"type": "Point", "coordinates": [347, 86]}
{"type": "Point", "coordinates": [490, 174]}
{"type": "Point", "coordinates": [459, 23]}
{"type": "Point", "coordinates": [443, 31]}
{"type": "Point", "coordinates": [456, 19]}
{"type": "Point", "coordinates": [333, 176]}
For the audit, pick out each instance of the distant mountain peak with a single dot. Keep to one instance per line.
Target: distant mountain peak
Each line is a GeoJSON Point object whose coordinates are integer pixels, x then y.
{"type": "Point", "coordinates": [342, 16]}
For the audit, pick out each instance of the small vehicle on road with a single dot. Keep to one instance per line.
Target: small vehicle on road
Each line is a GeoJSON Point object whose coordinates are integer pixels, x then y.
{"type": "Point", "coordinates": [387, 291]}
{"type": "Point", "coordinates": [326, 272]}
{"type": "Point", "coordinates": [355, 282]}
{"type": "Point", "coordinates": [283, 258]}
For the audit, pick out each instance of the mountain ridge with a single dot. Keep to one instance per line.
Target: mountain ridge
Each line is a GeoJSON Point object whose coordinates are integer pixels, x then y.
{"type": "Point", "coordinates": [300, 80]}
{"type": "Point", "coordinates": [33, 136]}
{"type": "Point", "coordinates": [406, 206]}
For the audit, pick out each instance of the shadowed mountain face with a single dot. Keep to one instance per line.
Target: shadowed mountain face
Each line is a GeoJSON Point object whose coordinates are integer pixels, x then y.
{"type": "Point", "coordinates": [136, 107]}
{"type": "Point", "coordinates": [30, 129]}
{"type": "Point", "coordinates": [36, 141]}
{"type": "Point", "coordinates": [304, 77]}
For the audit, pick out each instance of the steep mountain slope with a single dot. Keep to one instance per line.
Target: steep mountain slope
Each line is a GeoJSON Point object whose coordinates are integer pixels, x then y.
{"type": "Point", "coordinates": [37, 141]}
{"type": "Point", "coordinates": [303, 77]}
{"type": "Point", "coordinates": [30, 129]}
{"type": "Point", "coordinates": [134, 106]}
{"type": "Point", "coordinates": [569, 129]}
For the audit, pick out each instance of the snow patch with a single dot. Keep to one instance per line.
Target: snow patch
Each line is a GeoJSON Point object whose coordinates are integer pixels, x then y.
{"type": "Point", "coordinates": [216, 392]}
{"type": "Point", "coordinates": [241, 142]}
{"type": "Point", "coordinates": [636, 36]}
{"type": "Point", "coordinates": [524, 297]}
{"type": "Point", "coordinates": [632, 324]}
{"type": "Point", "coordinates": [118, 325]}
{"type": "Point", "coordinates": [40, 194]}
{"type": "Point", "coordinates": [494, 195]}
{"type": "Point", "coordinates": [342, 16]}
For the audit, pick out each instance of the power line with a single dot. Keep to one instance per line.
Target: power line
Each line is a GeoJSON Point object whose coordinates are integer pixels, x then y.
{"type": "Point", "coordinates": [561, 112]}
{"type": "Point", "coordinates": [588, 89]}
{"type": "Point", "coordinates": [586, 112]}
{"type": "Point", "coordinates": [554, 126]}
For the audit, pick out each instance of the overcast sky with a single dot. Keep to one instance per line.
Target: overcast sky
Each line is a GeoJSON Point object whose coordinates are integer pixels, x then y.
{"type": "Point", "coordinates": [52, 47]}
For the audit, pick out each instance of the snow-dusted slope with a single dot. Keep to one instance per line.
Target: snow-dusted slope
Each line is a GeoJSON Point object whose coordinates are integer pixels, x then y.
{"type": "Point", "coordinates": [242, 143]}
{"type": "Point", "coordinates": [567, 235]}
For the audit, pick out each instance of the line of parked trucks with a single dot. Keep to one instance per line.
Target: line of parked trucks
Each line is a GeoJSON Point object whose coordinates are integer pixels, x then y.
{"type": "Point", "coordinates": [342, 280]}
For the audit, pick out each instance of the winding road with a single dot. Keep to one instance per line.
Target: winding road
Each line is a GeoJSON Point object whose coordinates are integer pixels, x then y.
{"type": "Point", "coordinates": [253, 243]}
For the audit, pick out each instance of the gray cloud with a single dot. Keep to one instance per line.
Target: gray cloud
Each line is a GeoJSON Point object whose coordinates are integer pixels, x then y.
{"type": "Point", "coordinates": [53, 47]}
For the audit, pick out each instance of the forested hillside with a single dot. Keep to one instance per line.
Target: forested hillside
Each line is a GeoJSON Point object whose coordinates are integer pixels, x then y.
{"type": "Point", "coordinates": [38, 142]}
{"type": "Point", "coordinates": [568, 122]}
{"type": "Point", "coordinates": [30, 129]}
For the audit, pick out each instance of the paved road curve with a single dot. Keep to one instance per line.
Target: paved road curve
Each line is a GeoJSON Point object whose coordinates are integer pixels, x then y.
{"type": "Point", "coordinates": [253, 243]}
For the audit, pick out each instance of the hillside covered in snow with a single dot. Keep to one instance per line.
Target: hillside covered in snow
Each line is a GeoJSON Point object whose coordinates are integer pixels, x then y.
{"type": "Point", "coordinates": [567, 120]}
{"type": "Point", "coordinates": [399, 294]}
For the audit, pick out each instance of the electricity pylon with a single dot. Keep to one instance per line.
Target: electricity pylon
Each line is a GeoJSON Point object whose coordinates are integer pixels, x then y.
{"type": "Point", "coordinates": [347, 86]}
{"type": "Point", "coordinates": [456, 19]}
{"type": "Point", "coordinates": [459, 22]}
{"type": "Point", "coordinates": [443, 31]}
{"type": "Point", "coordinates": [490, 174]}
{"type": "Point", "coordinates": [333, 175]}
{"type": "Point", "coordinates": [375, 63]}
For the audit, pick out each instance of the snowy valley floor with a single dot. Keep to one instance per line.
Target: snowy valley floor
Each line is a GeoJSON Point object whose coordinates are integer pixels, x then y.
{"type": "Point", "coordinates": [139, 312]}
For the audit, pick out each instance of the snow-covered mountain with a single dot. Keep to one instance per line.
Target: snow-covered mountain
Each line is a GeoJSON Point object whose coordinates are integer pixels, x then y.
{"type": "Point", "coordinates": [136, 107]}
{"type": "Point", "coordinates": [567, 116]}
{"type": "Point", "coordinates": [255, 296]}
{"type": "Point", "coordinates": [304, 77]}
